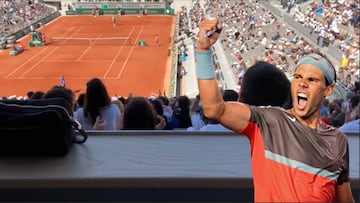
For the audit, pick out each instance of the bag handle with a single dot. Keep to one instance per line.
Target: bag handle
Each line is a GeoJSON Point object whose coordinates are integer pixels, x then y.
{"type": "Point", "coordinates": [82, 132]}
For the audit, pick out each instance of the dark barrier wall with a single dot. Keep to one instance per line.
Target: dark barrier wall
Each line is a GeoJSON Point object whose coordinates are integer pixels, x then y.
{"type": "Point", "coordinates": [144, 166]}
{"type": "Point", "coordinates": [154, 8]}
{"type": "Point", "coordinates": [82, 11]}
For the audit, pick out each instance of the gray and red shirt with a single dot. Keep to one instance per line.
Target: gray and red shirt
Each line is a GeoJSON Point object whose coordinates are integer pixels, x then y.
{"type": "Point", "coordinates": [292, 162]}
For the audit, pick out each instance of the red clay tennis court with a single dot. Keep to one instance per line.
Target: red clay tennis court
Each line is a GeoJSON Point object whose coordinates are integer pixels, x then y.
{"type": "Point", "coordinates": [83, 47]}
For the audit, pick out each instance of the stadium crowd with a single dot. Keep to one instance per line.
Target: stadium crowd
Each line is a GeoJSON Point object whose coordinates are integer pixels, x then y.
{"type": "Point", "coordinates": [249, 29]}
{"type": "Point", "coordinates": [17, 14]}
{"type": "Point", "coordinates": [263, 32]}
{"type": "Point", "coordinates": [336, 23]}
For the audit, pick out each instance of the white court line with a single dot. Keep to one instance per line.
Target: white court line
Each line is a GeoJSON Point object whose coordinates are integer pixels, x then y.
{"type": "Point", "coordinates": [67, 78]}
{"type": "Point", "coordinates": [73, 27]}
{"type": "Point", "coordinates": [129, 54]}
{"type": "Point", "coordinates": [73, 34]}
{"type": "Point", "coordinates": [78, 59]}
{"type": "Point", "coordinates": [64, 60]}
{"type": "Point", "coordinates": [30, 59]}
{"type": "Point", "coordinates": [8, 75]}
{"type": "Point", "coordinates": [65, 33]}
{"type": "Point", "coordinates": [32, 67]}
{"type": "Point", "coordinates": [117, 54]}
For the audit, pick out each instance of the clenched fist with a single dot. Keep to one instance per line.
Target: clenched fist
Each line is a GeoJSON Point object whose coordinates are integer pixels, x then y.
{"type": "Point", "coordinates": [209, 32]}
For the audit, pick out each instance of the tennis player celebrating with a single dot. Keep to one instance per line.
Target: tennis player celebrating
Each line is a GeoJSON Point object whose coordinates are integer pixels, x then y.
{"type": "Point", "coordinates": [295, 156]}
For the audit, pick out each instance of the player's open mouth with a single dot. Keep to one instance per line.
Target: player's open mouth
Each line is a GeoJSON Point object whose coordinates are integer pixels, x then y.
{"type": "Point", "coordinates": [302, 100]}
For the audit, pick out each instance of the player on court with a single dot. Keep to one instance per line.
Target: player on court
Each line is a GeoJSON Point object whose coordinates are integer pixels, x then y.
{"type": "Point", "coordinates": [93, 12]}
{"type": "Point", "coordinates": [114, 20]}
{"type": "Point", "coordinates": [157, 40]}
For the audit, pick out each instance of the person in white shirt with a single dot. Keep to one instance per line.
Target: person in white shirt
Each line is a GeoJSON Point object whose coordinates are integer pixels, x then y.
{"type": "Point", "coordinates": [196, 115]}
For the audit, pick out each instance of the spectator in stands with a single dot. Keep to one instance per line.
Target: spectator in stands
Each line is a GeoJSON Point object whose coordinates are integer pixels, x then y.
{"type": "Point", "coordinates": [264, 40]}
{"type": "Point", "coordinates": [325, 112]}
{"type": "Point", "coordinates": [355, 18]}
{"type": "Point", "coordinates": [337, 116]}
{"type": "Point", "coordinates": [284, 141]}
{"type": "Point", "coordinates": [119, 104]}
{"type": "Point", "coordinates": [61, 92]}
{"type": "Point", "coordinates": [181, 114]}
{"type": "Point", "coordinates": [98, 106]}
{"type": "Point", "coordinates": [321, 37]}
{"type": "Point", "coordinates": [196, 115]}
{"type": "Point", "coordinates": [291, 3]}
{"type": "Point", "coordinates": [345, 59]}
{"type": "Point", "coordinates": [29, 94]}
{"type": "Point", "coordinates": [319, 10]}
{"type": "Point", "coordinates": [352, 126]}
{"type": "Point", "coordinates": [157, 104]}
{"type": "Point", "coordinates": [356, 88]}
{"type": "Point", "coordinates": [276, 36]}
{"type": "Point", "coordinates": [340, 37]}
{"type": "Point", "coordinates": [345, 104]}
{"type": "Point", "coordinates": [16, 15]}
{"type": "Point", "coordinates": [168, 111]}
{"type": "Point", "coordinates": [140, 114]}
{"type": "Point", "coordinates": [354, 108]}
{"type": "Point", "coordinates": [80, 101]}
{"type": "Point", "coordinates": [37, 95]}
{"type": "Point", "coordinates": [68, 95]}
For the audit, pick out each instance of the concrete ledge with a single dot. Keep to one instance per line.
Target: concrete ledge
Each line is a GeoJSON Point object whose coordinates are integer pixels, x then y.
{"type": "Point", "coordinates": [146, 166]}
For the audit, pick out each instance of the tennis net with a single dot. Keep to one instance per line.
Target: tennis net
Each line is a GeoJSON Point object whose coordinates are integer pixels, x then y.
{"type": "Point", "coordinates": [87, 41]}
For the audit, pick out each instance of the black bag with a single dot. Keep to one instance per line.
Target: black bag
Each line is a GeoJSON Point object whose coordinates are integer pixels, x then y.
{"type": "Point", "coordinates": [42, 127]}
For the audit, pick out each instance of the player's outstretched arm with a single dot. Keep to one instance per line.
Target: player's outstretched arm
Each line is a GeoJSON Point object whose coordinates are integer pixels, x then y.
{"type": "Point", "coordinates": [233, 115]}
